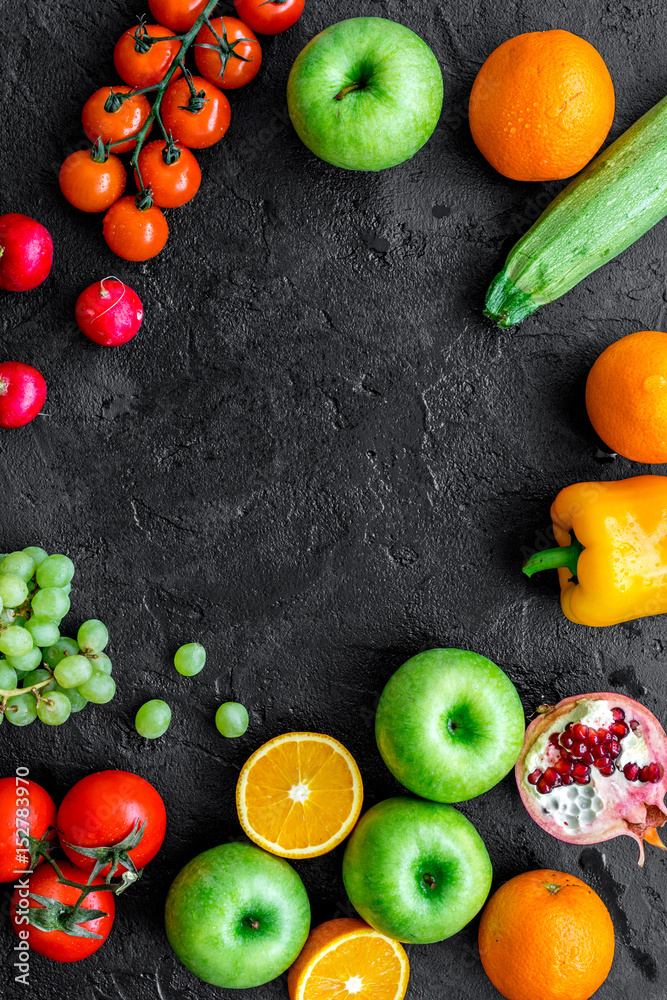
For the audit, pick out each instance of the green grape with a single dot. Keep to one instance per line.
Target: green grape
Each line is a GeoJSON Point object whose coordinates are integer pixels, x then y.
{"type": "Point", "coordinates": [152, 719]}
{"type": "Point", "coordinates": [99, 688]}
{"type": "Point", "coordinates": [36, 677]}
{"type": "Point", "coordinates": [55, 571]}
{"type": "Point", "coordinates": [190, 659]}
{"type": "Point", "coordinates": [13, 590]}
{"type": "Point", "coordinates": [59, 650]}
{"type": "Point", "coordinates": [231, 719]}
{"type": "Point", "coordinates": [8, 678]}
{"type": "Point", "coordinates": [15, 641]}
{"type": "Point", "coordinates": [73, 671]}
{"type": "Point", "coordinates": [92, 636]}
{"type": "Point", "coordinates": [22, 709]}
{"type": "Point", "coordinates": [77, 701]}
{"type": "Point", "coordinates": [51, 603]}
{"type": "Point", "coordinates": [36, 554]}
{"type": "Point", "coordinates": [100, 661]}
{"type": "Point", "coordinates": [54, 709]}
{"type": "Point", "coordinates": [19, 563]}
{"type": "Point", "coordinates": [29, 661]}
{"type": "Point", "coordinates": [43, 631]}
{"type": "Point", "coordinates": [8, 616]}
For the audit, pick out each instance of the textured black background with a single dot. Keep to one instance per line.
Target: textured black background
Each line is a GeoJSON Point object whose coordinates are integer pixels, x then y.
{"type": "Point", "coordinates": [317, 458]}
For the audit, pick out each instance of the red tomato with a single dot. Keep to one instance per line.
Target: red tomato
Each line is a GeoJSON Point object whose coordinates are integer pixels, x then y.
{"type": "Point", "coordinates": [171, 184]}
{"type": "Point", "coordinates": [147, 66]}
{"type": "Point", "coordinates": [269, 17]}
{"type": "Point", "coordinates": [22, 394]}
{"type": "Point", "coordinates": [201, 128]}
{"type": "Point", "coordinates": [102, 809]}
{"type": "Point", "coordinates": [134, 233]}
{"type": "Point", "coordinates": [91, 186]}
{"type": "Point", "coordinates": [24, 806]}
{"type": "Point", "coordinates": [57, 944]}
{"type": "Point", "coordinates": [113, 126]}
{"type": "Point", "coordinates": [26, 253]}
{"type": "Point", "coordinates": [179, 15]}
{"type": "Point", "coordinates": [235, 57]}
{"type": "Point", "coordinates": [109, 312]}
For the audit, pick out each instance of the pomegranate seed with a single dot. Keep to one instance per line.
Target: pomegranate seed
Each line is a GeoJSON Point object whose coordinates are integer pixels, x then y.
{"type": "Point", "coordinates": [553, 739]}
{"type": "Point", "coordinates": [580, 771]}
{"type": "Point", "coordinates": [654, 772]}
{"type": "Point", "coordinates": [552, 776]}
{"type": "Point", "coordinates": [644, 773]}
{"type": "Point", "coordinates": [567, 741]}
{"type": "Point", "coordinates": [543, 786]}
{"type": "Point", "coordinates": [619, 729]}
{"type": "Point", "coordinates": [602, 763]}
{"type": "Point", "coordinates": [562, 766]}
{"type": "Point", "coordinates": [579, 732]}
{"type": "Point", "coordinates": [608, 770]}
{"type": "Point", "coordinates": [579, 749]}
{"type": "Point", "coordinates": [634, 725]}
{"type": "Point", "coordinates": [567, 756]}
{"type": "Point", "coordinates": [593, 738]}
{"type": "Point", "coordinates": [533, 776]}
{"type": "Point", "coordinates": [567, 779]}
{"type": "Point", "coordinates": [607, 737]}
{"type": "Point", "coordinates": [586, 758]}
{"type": "Point", "coordinates": [568, 727]}
{"type": "Point", "coordinates": [631, 771]}
{"type": "Point", "coordinates": [618, 714]}
{"type": "Point", "coordinates": [585, 779]}
{"type": "Point", "coordinates": [614, 748]}
{"type": "Point", "coordinates": [599, 753]}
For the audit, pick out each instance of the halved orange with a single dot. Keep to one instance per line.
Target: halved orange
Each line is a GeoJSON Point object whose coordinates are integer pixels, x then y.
{"type": "Point", "coordinates": [299, 795]}
{"type": "Point", "coordinates": [347, 958]}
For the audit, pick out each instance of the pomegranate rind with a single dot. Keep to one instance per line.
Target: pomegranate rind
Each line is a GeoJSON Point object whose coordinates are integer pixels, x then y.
{"type": "Point", "coordinates": [640, 812]}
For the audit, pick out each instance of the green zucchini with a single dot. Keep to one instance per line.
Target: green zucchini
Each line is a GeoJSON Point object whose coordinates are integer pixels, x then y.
{"type": "Point", "coordinates": [619, 197]}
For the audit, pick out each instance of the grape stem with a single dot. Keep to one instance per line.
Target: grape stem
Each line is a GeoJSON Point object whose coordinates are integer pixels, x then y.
{"type": "Point", "coordinates": [4, 695]}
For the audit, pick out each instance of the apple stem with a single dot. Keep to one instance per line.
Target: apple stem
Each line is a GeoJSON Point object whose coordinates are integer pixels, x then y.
{"type": "Point", "coordinates": [428, 881]}
{"type": "Point", "coordinates": [563, 556]}
{"type": "Point", "coordinates": [346, 90]}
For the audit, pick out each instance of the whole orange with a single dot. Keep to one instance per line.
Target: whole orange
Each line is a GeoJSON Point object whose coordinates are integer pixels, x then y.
{"type": "Point", "coordinates": [626, 396]}
{"type": "Point", "coordinates": [542, 105]}
{"type": "Point", "coordinates": [546, 935]}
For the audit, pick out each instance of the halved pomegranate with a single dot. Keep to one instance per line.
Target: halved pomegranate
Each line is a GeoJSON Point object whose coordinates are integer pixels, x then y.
{"type": "Point", "coordinates": [594, 767]}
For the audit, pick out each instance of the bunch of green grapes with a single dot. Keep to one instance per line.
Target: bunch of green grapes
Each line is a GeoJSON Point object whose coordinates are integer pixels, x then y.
{"type": "Point", "coordinates": [44, 675]}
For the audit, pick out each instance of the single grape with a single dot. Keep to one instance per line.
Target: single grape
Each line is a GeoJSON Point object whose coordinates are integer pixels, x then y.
{"type": "Point", "coordinates": [43, 631]}
{"type": "Point", "coordinates": [73, 671]}
{"type": "Point", "coordinates": [54, 709]}
{"type": "Point", "coordinates": [77, 701]}
{"type": "Point", "coordinates": [190, 659]}
{"type": "Point", "coordinates": [51, 603]}
{"type": "Point", "coordinates": [21, 709]}
{"type": "Point", "coordinates": [100, 661]}
{"type": "Point", "coordinates": [29, 661]}
{"type": "Point", "coordinates": [36, 554]}
{"type": "Point", "coordinates": [36, 677]}
{"type": "Point", "coordinates": [15, 641]}
{"type": "Point", "coordinates": [92, 636]}
{"type": "Point", "coordinates": [55, 571]}
{"type": "Point", "coordinates": [8, 678]}
{"type": "Point", "coordinates": [19, 563]}
{"type": "Point", "coordinates": [231, 719]}
{"type": "Point", "coordinates": [59, 650]}
{"type": "Point", "coordinates": [99, 688]}
{"type": "Point", "coordinates": [13, 590]}
{"type": "Point", "coordinates": [152, 719]}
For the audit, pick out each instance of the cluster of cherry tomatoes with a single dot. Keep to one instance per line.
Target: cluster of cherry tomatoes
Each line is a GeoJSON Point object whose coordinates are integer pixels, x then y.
{"type": "Point", "coordinates": [114, 808]}
{"type": "Point", "coordinates": [192, 112]}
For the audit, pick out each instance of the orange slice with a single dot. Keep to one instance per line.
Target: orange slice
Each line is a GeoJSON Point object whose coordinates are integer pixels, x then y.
{"type": "Point", "coordinates": [345, 959]}
{"type": "Point", "coordinates": [299, 795]}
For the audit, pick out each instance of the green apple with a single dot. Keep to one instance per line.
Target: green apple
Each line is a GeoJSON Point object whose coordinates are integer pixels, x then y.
{"type": "Point", "coordinates": [449, 725]}
{"type": "Point", "coordinates": [416, 871]}
{"type": "Point", "coordinates": [365, 94]}
{"type": "Point", "coordinates": [237, 916]}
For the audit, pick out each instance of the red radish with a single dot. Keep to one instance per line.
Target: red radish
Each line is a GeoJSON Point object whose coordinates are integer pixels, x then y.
{"type": "Point", "coordinates": [109, 312]}
{"type": "Point", "coordinates": [22, 394]}
{"type": "Point", "coordinates": [26, 253]}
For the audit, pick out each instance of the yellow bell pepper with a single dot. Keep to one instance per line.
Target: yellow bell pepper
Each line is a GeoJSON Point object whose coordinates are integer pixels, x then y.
{"type": "Point", "coordinates": [612, 555]}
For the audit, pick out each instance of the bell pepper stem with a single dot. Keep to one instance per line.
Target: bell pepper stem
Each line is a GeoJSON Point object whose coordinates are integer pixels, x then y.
{"type": "Point", "coordinates": [564, 555]}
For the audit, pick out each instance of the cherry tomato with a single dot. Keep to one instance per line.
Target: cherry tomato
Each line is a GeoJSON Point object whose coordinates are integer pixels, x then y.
{"type": "Point", "coordinates": [235, 57]}
{"type": "Point", "coordinates": [89, 185]}
{"type": "Point", "coordinates": [102, 809]}
{"type": "Point", "coordinates": [109, 312]}
{"type": "Point", "coordinates": [113, 126]}
{"type": "Point", "coordinates": [201, 128]}
{"type": "Point", "coordinates": [140, 64]}
{"type": "Point", "coordinates": [26, 252]}
{"type": "Point", "coordinates": [179, 15]}
{"type": "Point", "coordinates": [22, 394]}
{"type": "Point", "coordinates": [172, 184]}
{"type": "Point", "coordinates": [134, 233]}
{"type": "Point", "coordinates": [17, 795]}
{"type": "Point", "coordinates": [57, 944]}
{"type": "Point", "coordinates": [269, 17]}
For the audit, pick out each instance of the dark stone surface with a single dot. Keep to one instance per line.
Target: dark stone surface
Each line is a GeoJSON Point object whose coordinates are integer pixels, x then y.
{"type": "Point", "coordinates": [316, 458]}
